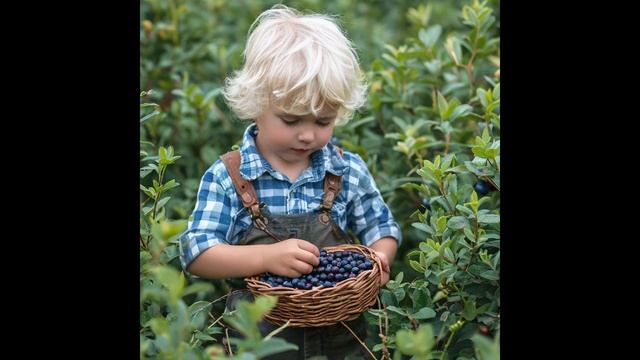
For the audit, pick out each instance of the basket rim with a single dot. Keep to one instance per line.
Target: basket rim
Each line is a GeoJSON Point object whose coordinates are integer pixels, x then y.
{"type": "Point", "coordinates": [342, 285]}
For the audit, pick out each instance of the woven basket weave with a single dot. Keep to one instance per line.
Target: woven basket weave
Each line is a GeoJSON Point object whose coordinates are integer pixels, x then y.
{"type": "Point", "coordinates": [323, 306]}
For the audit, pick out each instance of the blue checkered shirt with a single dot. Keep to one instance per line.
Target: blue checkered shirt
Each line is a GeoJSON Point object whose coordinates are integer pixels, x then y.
{"type": "Point", "coordinates": [219, 216]}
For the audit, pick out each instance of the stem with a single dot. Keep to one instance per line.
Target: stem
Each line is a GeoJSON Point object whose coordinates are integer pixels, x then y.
{"type": "Point", "coordinates": [357, 338]}
{"type": "Point", "coordinates": [226, 333]}
{"type": "Point", "coordinates": [446, 346]}
{"type": "Point", "coordinates": [454, 211]}
{"type": "Point", "coordinates": [384, 336]}
{"type": "Point", "coordinates": [495, 163]}
{"type": "Point", "coordinates": [159, 193]}
{"type": "Point", "coordinates": [447, 138]}
{"type": "Point", "coordinates": [276, 331]}
{"type": "Point", "coordinates": [493, 183]}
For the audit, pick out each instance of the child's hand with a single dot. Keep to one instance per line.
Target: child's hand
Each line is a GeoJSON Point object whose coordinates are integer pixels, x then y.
{"type": "Point", "coordinates": [386, 270]}
{"type": "Point", "coordinates": [291, 258]}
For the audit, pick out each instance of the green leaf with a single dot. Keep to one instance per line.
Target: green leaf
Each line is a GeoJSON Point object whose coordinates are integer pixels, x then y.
{"type": "Point", "coordinates": [170, 185]}
{"type": "Point", "coordinates": [163, 201]}
{"type": "Point", "coordinates": [488, 218]}
{"type": "Point", "coordinates": [273, 346]}
{"type": "Point", "coordinates": [442, 223]}
{"type": "Point", "coordinates": [386, 297]}
{"type": "Point", "coordinates": [491, 275]}
{"type": "Point", "coordinates": [457, 223]}
{"type": "Point", "coordinates": [469, 234]}
{"type": "Point", "coordinates": [173, 280]}
{"type": "Point", "coordinates": [201, 336]}
{"type": "Point", "coordinates": [399, 293]}
{"type": "Point", "coordinates": [149, 116]}
{"type": "Point", "coordinates": [198, 287]}
{"type": "Point", "coordinates": [442, 106]}
{"type": "Point", "coordinates": [424, 313]}
{"type": "Point", "coordinates": [397, 310]}
{"type": "Point", "coordinates": [416, 266]}
{"type": "Point", "coordinates": [430, 36]}
{"type": "Point", "coordinates": [419, 342]}
{"type": "Point", "coordinates": [424, 227]}
{"type": "Point", "coordinates": [469, 311]}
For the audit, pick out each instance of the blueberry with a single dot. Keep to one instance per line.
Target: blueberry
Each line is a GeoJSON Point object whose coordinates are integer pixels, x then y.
{"type": "Point", "coordinates": [335, 269]}
{"type": "Point", "coordinates": [295, 281]}
{"type": "Point", "coordinates": [328, 284]}
{"type": "Point", "coordinates": [322, 276]}
{"type": "Point", "coordinates": [339, 277]}
{"type": "Point", "coordinates": [367, 265]}
{"type": "Point", "coordinates": [331, 276]}
{"type": "Point", "coordinates": [355, 269]}
{"type": "Point", "coordinates": [426, 203]}
{"type": "Point", "coordinates": [286, 283]}
{"type": "Point", "coordinates": [482, 187]}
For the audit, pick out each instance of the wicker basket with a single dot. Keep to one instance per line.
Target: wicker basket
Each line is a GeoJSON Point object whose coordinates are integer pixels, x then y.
{"type": "Point", "coordinates": [322, 306]}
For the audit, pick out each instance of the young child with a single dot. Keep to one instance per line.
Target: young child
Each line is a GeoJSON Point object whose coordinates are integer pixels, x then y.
{"type": "Point", "coordinates": [288, 192]}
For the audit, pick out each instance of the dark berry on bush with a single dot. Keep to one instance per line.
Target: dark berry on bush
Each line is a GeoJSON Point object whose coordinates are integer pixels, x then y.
{"type": "Point", "coordinates": [426, 203]}
{"type": "Point", "coordinates": [482, 187]}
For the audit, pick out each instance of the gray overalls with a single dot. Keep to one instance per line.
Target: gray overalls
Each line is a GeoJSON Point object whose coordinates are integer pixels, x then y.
{"type": "Point", "coordinates": [334, 341]}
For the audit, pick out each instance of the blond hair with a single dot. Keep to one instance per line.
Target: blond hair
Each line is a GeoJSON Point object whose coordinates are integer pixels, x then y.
{"type": "Point", "coordinates": [300, 64]}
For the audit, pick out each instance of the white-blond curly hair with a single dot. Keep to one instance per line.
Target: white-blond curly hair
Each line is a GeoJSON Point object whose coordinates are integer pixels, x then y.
{"type": "Point", "coordinates": [299, 63]}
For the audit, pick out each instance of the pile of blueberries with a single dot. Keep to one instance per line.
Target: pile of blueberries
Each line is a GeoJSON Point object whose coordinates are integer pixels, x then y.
{"type": "Point", "coordinates": [333, 268]}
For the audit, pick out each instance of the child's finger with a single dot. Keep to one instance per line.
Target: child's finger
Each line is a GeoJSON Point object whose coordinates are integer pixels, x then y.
{"type": "Point", "coordinates": [302, 267]}
{"type": "Point", "coordinates": [308, 257]}
{"type": "Point", "coordinates": [305, 245]}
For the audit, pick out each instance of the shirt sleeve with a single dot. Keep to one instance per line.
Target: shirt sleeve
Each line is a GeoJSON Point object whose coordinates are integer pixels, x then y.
{"type": "Point", "coordinates": [210, 220]}
{"type": "Point", "coordinates": [368, 216]}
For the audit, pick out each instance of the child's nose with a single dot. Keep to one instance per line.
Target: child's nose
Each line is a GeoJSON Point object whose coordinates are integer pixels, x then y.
{"type": "Point", "coordinates": [306, 135]}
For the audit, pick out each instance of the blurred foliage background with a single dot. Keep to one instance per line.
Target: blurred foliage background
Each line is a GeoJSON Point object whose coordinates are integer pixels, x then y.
{"type": "Point", "coordinates": [430, 135]}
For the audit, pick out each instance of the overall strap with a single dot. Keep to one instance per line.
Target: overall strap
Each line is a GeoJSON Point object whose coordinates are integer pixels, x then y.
{"type": "Point", "coordinates": [332, 187]}
{"type": "Point", "coordinates": [246, 191]}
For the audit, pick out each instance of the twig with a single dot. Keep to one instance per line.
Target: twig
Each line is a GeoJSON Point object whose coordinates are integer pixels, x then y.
{"type": "Point", "coordinates": [276, 331]}
{"type": "Point", "coordinates": [226, 332]}
{"type": "Point", "coordinates": [357, 338]}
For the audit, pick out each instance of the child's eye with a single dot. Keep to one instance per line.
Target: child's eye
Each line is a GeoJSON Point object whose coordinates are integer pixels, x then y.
{"type": "Point", "coordinates": [288, 121]}
{"type": "Point", "coordinates": [323, 124]}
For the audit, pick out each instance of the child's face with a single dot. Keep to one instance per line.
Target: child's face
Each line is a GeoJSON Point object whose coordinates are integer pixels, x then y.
{"type": "Point", "coordinates": [292, 138]}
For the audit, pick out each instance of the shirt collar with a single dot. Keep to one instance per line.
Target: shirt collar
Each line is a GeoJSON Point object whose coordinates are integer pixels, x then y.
{"type": "Point", "coordinates": [253, 164]}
